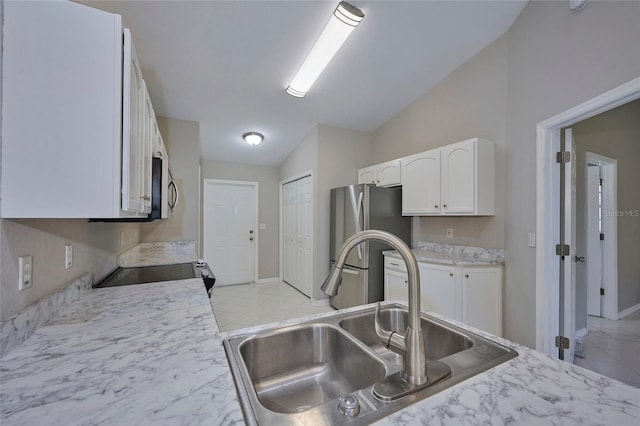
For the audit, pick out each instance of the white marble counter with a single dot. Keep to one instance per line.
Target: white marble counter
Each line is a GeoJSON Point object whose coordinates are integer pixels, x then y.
{"type": "Point", "coordinates": [448, 254]}
{"type": "Point", "coordinates": [152, 354]}
{"type": "Point", "coordinates": [133, 355]}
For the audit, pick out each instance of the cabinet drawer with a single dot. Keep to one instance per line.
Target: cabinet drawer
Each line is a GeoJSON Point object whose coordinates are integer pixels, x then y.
{"type": "Point", "coordinates": [394, 264]}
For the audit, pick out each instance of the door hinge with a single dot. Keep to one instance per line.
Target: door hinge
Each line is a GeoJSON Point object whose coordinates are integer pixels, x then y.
{"type": "Point", "coordinates": [563, 157]}
{"type": "Point", "coordinates": [602, 292]}
{"type": "Point", "coordinates": [562, 342]}
{"type": "Point", "coordinates": [563, 249]}
{"type": "Point", "coordinates": [601, 237]}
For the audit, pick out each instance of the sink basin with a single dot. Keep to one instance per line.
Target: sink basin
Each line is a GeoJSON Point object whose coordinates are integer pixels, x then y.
{"type": "Point", "coordinates": [296, 369]}
{"type": "Point", "coordinates": [298, 374]}
{"type": "Point", "coordinates": [440, 341]}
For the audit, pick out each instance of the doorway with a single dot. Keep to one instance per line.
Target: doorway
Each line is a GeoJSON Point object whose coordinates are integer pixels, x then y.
{"type": "Point", "coordinates": [297, 237]}
{"type": "Point", "coordinates": [555, 304]}
{"type": "Point", "coordinates": [230, 240]}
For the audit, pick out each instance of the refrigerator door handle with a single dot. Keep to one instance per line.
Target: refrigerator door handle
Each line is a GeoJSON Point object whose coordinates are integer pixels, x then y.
{"type": "Point", "coordinates": [350, 271]}
{"type": "Point", "coordinates": [359, 224]}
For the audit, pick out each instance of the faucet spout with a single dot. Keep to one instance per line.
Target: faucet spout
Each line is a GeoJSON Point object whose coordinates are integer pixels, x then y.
{"type": "Point", "coordinates": [411, 342]}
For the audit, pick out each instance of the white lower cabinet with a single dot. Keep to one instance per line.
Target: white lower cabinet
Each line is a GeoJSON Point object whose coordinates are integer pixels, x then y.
{"type": "Point", "coordinates": [482, 298]}
{"type": "Point", "coordinates": [470, 294]}
{"type": "Point", "coordinates": [438, 289]}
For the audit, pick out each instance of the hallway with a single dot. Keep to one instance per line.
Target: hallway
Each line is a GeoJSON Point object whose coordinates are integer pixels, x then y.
{"type": "Point", "coordinates": [612, 348]}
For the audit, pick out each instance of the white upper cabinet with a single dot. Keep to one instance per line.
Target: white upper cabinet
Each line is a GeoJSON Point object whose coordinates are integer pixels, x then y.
{"type": "Point", "coordinates": [63, 120]}
{"type": "Point", "coordinates": [456, 180]}
{"type": "Point", "coordinates": [421, 183]}
{"type": "Point", "coordinates": [384, 174]}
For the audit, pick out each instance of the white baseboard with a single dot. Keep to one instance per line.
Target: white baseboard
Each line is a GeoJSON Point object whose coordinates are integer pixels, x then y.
{"type": "Point", "coordinates": [581, 334]}
{"type": "Point", "coordinates": [268, 280]}
{"type": "Point", "coordinates": [320, 302]}
{"type": "Point", "coordinates": [628, 311]}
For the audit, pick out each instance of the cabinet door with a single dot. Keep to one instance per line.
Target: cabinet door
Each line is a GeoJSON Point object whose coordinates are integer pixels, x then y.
{"type": "Point", "coordinates": [389, 173]}
{"type": "Point", "coordinates": [482, 298]}
{"type": "Point", "coordinates": [368, 175]}
{"type": "Point", "coordinates": [132, 128]}
{"type": "Point", "coordinates": [395, 286]}
{"type": "Point", "coordinates": [146, 147]}
{"type": "Point", "coordinates": [458, 177]}
{"type": "Point", "coordinates": [438, 290]}
{"type": "Point", "coordinates": [420, 174]}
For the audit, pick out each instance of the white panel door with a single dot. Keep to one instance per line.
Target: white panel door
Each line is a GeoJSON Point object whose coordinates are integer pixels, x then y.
{"type": "Point", "coordinates": [305, 234]}
{"type": "Point", "coordinates": [229, 234]}
{"type": "Point", "coordinates": [594, 245]}
{"type": "Point", "coordinates": [458, 178]}
{"type": "Point", "coordinates": [395, 285]}
{"type": "Point", "coordinates": [298, 234]}
{"type": "Point", "coordinates": [289, 232]}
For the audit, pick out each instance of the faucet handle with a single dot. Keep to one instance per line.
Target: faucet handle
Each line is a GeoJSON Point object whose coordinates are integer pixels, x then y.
{"type": "Point", "coordinates": [391, 339]}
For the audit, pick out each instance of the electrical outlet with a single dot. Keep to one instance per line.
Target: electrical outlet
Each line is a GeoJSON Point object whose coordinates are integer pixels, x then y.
{"type": "Point", "coordinates": [68, 256]}
{"type": "Point", "coordinates": [532, 239]}
{"type": "Point", "coordinates": [449, 232]}
{"type": "Point", "coordinates": [25, 272]}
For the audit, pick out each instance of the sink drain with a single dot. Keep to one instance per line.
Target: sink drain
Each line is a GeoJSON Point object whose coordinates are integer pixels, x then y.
{"type": "Point", "coordinates": [349, 405]}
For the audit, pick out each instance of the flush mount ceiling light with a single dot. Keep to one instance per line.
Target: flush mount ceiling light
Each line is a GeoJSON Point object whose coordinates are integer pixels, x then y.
{"type": "Point", "coordinates": [344, 19]}
{"type": "Point", "coordinates": [253, 138]}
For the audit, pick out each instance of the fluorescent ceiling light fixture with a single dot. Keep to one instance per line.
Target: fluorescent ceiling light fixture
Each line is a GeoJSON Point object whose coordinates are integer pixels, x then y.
{"type": "Point", "coordinates": [253, 138]}
{"type": "Point", "coordinates": [344, 19]}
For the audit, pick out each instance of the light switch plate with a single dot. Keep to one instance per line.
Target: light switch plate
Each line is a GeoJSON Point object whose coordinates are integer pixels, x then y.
{"type": "Point", "coordinates": [68, 256]}
{"type": "Point", "coordinates": [449, 232]}
{"type": "Point", "coordinates": [532, 239]}
{"type": "Point", "coordinates": [25, 272]}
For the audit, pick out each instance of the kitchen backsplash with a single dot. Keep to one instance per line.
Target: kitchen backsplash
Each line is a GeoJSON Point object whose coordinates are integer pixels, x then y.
{"type": "Point", "coordinates": [160, 253]}
{"type": "Point", "coordinates": [477, 253]}
{"type": "Point", "coordinates": [20, 327]}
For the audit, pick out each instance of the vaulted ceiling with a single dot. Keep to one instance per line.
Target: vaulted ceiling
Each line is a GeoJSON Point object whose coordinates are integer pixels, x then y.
{"type": "Point", "coordinates": [226, 64]}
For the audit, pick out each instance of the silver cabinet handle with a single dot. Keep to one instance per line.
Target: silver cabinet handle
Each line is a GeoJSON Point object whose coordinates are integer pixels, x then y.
{"type": "Point", "coordinates": [444, 205]}
{"type": "Point", "coordinates": [436, 206]}
{"type": "Point", "coordinates": [251, 239]}
{"type": "Point", "coordinates": [451, 274]}
{"type": "Point", "coordinates": [466, 275]}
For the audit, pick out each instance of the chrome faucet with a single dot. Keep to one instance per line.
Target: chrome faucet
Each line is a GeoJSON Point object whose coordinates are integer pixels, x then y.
{"type": "Point", "coordinates": [416, 373]}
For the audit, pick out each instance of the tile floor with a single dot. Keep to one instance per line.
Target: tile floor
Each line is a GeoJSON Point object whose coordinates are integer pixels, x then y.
{"type": "Point", "coordinates": [245, 305]}
{"type": "Point", "coordinates": [612, 348]}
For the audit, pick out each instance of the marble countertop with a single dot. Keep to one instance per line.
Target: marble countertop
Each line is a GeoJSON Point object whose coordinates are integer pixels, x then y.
{"type": "Point", "coordinates": [142, 354]}
{"type": "Point", "coordinates": [153, 354]}
{"type": "Point", "coordinates": [429, 256]}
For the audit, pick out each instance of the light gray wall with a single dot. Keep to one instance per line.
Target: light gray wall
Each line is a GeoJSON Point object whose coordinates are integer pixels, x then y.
{"type": "Point", "coordinates": [614, 134]}
{"type": "Point", "coordinates": [333, 155]}
{"type": "Point", "coordinates": [304, 158]}
{"type": "Point", "coordinates": [267, 178]}
{"type": "Point", "coordinates": [551, 59]}
{"type": "Point", "coordinates": [182, 139]}
{"type": "Point", "coordinates": [341, 153]}
{"type": "Point", "coordinates": [557, 59]}
{"type": "Point", "coordinates": [471, 102]}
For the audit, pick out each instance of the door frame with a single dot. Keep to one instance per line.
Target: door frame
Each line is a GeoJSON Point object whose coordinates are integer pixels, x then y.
{"type": "Point", "coordinates": [609, 174]}
{"type": "Point", "coordinates": [256, 199]}
{"type": "Point", "coordinates": [281, 184]}
{"type": "Point", "coordinates": [548, 208]}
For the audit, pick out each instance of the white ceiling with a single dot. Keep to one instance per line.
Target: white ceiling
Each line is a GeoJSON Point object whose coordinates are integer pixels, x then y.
{"type": "Point", "coordinates": [226, 64]}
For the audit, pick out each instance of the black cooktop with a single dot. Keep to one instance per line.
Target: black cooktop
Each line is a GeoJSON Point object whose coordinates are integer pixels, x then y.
{"type": "Point", "coordinates": [158, 273]}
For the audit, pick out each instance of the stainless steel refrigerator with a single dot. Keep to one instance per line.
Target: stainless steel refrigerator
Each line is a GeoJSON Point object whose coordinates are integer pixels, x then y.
{"type": "Point", "coordinates": [356, 208]}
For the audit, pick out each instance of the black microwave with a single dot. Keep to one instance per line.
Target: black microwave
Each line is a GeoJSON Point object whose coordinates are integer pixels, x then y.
{"type": "Point", "coordinates": [164, 194]}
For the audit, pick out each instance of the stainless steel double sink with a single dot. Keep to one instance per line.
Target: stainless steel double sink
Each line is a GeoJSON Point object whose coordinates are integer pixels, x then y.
{"type": "Point", "coordinates": [318, 371]}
